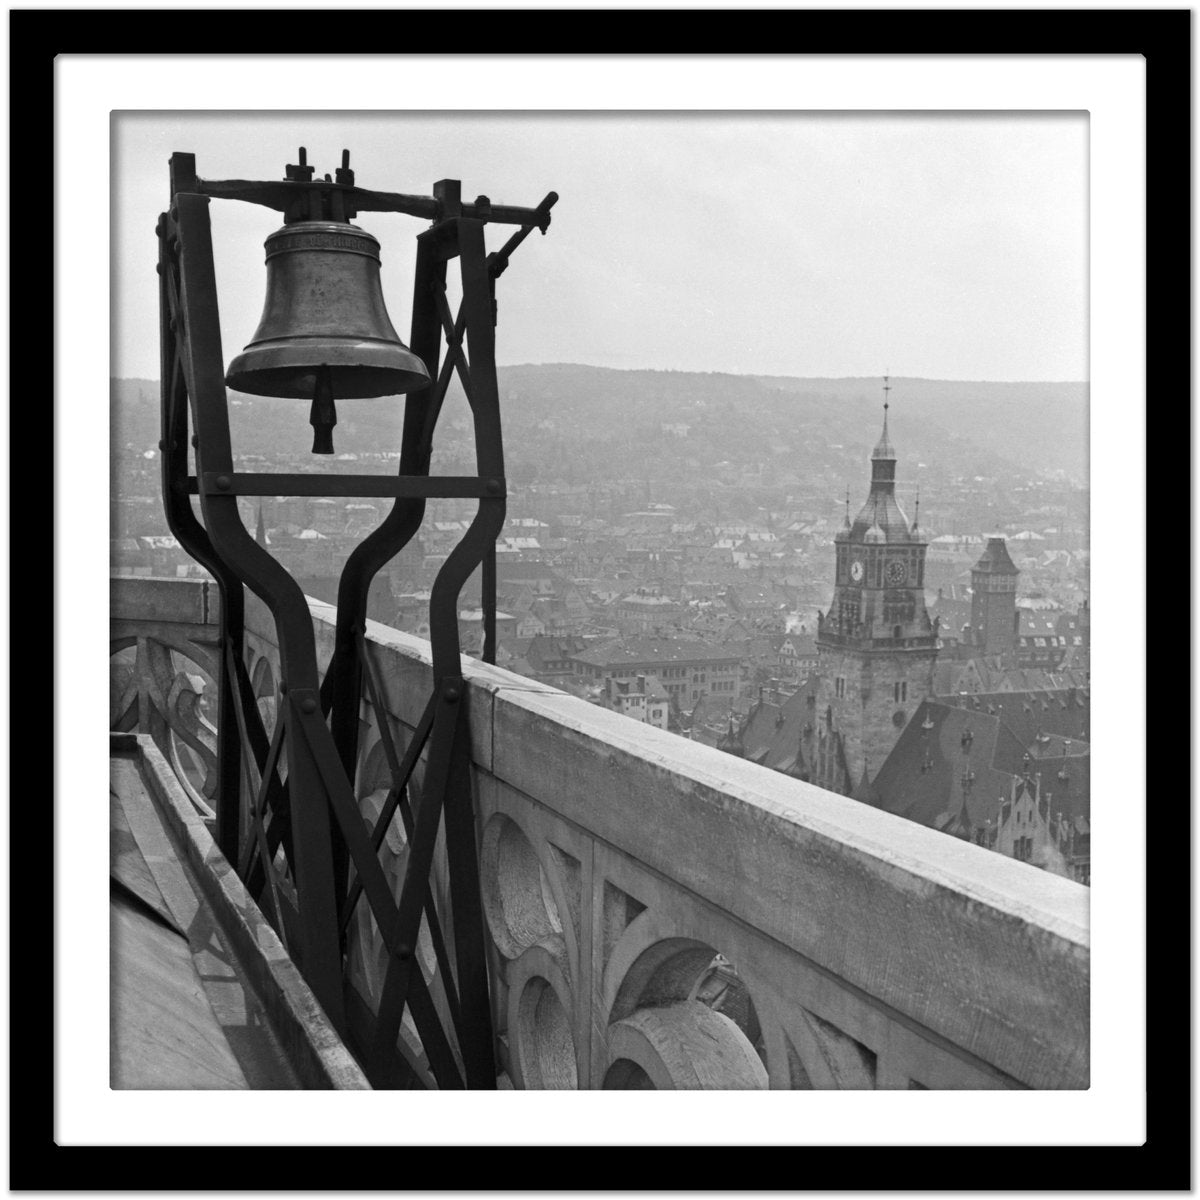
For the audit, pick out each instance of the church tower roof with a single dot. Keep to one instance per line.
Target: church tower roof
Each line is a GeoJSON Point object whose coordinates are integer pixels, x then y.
{"type": "Point", "coordinates": [731, 742]}
{"type": "Point", "coordinates": [881, 519]}
{"type": "Point", "coordinates": [995, 559]}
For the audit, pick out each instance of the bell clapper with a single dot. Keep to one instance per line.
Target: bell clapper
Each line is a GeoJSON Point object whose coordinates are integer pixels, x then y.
{"type": "Point", "coordinates": [323, 415]}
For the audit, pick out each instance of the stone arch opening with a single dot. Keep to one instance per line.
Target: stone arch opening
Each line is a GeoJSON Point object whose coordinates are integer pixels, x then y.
{"type": "Point", "coordinates": [547, 1048]}
{"type": "Point", "coordinates": [679, 969]}
{"type": "Point", "coordinates": [685, 1018]}
{"type": "Point", "coordinates": [517, 898]}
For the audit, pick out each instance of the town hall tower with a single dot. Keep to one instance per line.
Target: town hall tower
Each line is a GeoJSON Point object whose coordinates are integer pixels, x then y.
{"type": "Point", "coordinates": [876, 647]}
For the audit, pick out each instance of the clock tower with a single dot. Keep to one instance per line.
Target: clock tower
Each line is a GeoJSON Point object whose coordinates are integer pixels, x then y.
{"type": "Point", "coordinates": [876, 646]}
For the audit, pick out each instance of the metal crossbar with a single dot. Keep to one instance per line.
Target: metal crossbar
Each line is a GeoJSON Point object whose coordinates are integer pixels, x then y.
{"type": "Point", "coordinates": [255, 768]}
{"type": "Point", "coordinates": [395, 925]}
{"type": "Point", "coordinates": [400, 777]}
{"type": "Point", "coordinates": [453, 329]}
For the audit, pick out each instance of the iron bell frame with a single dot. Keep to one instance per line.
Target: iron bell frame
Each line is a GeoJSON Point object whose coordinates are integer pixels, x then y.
{"type": "Point", "coordinates": [312, 815]}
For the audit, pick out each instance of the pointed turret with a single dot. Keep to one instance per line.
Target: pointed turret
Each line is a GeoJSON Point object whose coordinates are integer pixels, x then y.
{"type": "Point", "coordinates": [799, 768]}
{"type": "Point", "coordinates": [732, 742]}
{"type": "Point", "coordinates": [959, 824]}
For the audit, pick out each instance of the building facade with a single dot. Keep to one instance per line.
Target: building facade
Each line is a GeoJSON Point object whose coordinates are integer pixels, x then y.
{"type": "Point", "coordinates": [688, 671]}
{"type": "Point", "coordinates": [643, 698]}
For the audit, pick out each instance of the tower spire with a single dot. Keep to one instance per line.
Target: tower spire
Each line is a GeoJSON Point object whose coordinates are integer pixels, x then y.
{"type": "Point", "coordinates": [884, 448]}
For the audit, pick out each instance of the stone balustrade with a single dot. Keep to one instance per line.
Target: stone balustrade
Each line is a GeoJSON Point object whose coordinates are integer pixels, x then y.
{"type": "Point", "coordinates": [663, 915]}
{"type": "Point", "coordinates": [163, 666]}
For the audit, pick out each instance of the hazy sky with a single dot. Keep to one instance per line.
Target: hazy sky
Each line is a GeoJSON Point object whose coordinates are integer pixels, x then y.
{"type": "Point", "coordinates": [947, 246]}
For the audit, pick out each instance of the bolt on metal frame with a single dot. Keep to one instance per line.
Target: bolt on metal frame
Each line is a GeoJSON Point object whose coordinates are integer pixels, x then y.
{"type": "Point", "coordinates": [299, 842]}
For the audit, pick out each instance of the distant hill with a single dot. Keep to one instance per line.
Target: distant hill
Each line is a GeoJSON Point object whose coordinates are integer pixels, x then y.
{"type": "Point", "coordinates": [570, 417]}
{"type": "Point", "coordinates": [1044, 425]}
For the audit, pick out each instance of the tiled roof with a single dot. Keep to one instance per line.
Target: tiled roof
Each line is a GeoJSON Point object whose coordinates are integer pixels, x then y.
{"type": "Point", "coordinates": [776, 732]}
{"type": "Point", "coordinates": [922, 778]}
{"type": "Point", "coordinates": [954, 613]}
{"type": "Point", "coordinates": [953, 677]}
{"type": "Point", "coordinates": [510, 572]}
{"type": "Point", "coordinates": [882, 518]}
{"type": "Point", "coordinates": [994, 736]}
{"type": "Point", "coordinates": [1051, 748]}
{"type": "Point", "coordinates": [653, 650]}
{"type": "Point", "coordinates": [1065, 712]}
{"type": "Point", "coordinates": [1038, 624]}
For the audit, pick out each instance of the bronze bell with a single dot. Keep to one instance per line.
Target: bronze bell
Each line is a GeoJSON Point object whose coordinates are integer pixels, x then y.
{"type": "Point", "coordinates": [324, 330]}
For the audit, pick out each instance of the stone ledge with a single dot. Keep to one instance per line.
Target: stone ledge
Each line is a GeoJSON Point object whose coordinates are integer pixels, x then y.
{"type": "Point", "coordinates": [983, 950]}
{"type": "Point", "coordinates": [315, 1050]}
{"type": "Point", "coordinates": [170, 601]}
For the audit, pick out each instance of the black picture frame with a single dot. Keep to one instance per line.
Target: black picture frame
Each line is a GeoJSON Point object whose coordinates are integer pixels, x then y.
{"type": "Point", "coordinates": [36, 38]}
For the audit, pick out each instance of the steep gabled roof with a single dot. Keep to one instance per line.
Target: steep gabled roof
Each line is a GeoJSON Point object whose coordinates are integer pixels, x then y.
{"type": "Point", "coordinates": [1065, 712]}
{"type": "Point", "coordinates": [922, 778]}
{"type": "Point", "coordinates": [953, 766]}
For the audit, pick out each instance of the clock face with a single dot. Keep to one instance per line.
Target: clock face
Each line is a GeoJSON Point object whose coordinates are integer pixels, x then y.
{"type": "Point", "coordinates": [897, 573]}
{"type": "Point", "coordinates": [856, 570]}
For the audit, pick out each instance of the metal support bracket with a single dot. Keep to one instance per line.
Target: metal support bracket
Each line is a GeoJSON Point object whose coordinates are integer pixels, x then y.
{"type": "Point", "coordinates": [298, 837]}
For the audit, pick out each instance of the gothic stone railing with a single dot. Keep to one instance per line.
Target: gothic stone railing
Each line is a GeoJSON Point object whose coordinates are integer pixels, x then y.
{"type": "Point", "coordinates": [663, 915]}
{"type": "Point", "coordinates": [163, 667]}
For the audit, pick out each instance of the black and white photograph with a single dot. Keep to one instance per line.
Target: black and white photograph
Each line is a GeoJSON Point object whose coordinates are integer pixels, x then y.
{"type": "Point", "coordinates": [600, 557]}
{"type": "Point", "coordinates": [600, 601]}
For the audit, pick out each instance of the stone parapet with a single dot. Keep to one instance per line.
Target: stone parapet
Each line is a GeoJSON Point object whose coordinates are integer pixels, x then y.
{"type": "Point", "coordinates": [665, 915]}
